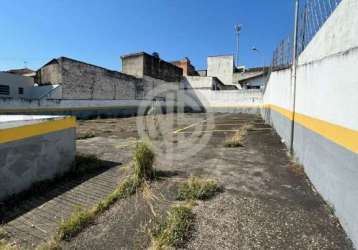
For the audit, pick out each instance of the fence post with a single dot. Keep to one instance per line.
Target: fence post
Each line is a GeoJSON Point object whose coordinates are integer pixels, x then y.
{"type": "Point", "coordinates": [294, 72]}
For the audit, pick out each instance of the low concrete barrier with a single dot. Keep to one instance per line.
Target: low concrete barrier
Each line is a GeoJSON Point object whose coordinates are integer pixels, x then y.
{"type": "Point", "coordinates": [33, 149]}
{"type": "Point", "coordinates": [247, 101]}
{"type": "Point", "coordinates": [229, 101]}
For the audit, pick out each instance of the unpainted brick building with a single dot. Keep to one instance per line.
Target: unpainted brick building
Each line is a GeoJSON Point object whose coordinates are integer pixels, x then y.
{"type": "Point", "coordinates": [142, 64]}
{"type": "Point", "coordinates": [186, 66]}
{"type": "Point", "coordinates": [81, 80]}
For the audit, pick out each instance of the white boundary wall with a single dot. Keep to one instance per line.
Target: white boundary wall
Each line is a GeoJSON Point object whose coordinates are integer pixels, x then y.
{"type": "Point", "coordinates": [326, 121]}
{"type": "Point", "coordinates": [227, 100]}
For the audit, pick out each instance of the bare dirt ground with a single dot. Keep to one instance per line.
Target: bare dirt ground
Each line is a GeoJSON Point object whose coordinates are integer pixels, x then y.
{"type": "Point", "coordinates": [267, 202]}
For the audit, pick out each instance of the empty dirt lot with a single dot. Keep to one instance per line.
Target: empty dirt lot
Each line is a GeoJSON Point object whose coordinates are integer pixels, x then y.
{"type": "Point", "coordinates": [267, 201]}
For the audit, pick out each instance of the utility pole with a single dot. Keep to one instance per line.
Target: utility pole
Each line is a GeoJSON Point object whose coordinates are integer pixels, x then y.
{"type": "Point", "coordinates": [238, 28]}
{"type": "Point", "coordinates": [294, 76]}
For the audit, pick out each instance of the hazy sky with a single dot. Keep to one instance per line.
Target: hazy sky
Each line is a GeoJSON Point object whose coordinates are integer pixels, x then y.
{"type": "Point", "coordinates": [98, 32]}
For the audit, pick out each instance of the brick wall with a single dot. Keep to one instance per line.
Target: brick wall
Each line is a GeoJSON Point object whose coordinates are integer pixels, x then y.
{"type": "Point", "coordinates": [85, 81]}
{"type": "Point", "coordinates": [143, 64]}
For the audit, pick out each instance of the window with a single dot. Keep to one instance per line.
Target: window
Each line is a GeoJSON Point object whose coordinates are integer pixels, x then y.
{"type": "Point", "coordinates": [21, 91]}
{"type": "Point", "coordinates": [4, 90]}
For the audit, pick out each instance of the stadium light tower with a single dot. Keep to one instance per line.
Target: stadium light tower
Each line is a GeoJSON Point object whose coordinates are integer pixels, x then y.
{"type": "Point", "coordinates": [238, 28]}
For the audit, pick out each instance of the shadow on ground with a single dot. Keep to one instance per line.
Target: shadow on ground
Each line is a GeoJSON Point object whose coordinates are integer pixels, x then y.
{"type": "Point", "coordinates": [42, 192]}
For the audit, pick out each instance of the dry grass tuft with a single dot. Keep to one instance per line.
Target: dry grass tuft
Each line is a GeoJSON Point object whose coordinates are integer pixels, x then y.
{"type": "Point", "coordinates": [3, 233]}
{"type": "Point", "coordinates": [296, 169]}
{"type": "Point", "coordinates": [196, 188]}
{"type": "Point", "coordinates": [77, 221]}
{"type": "Point", "coordinates": [143, 162]}
{"type": "Point", "coordinates": [4, 245]}
{"type": "Point", "coordinates": [149, 197]}
{"type": "Point", "coordinates": [87, 135]}
{"type": "Point", "coordinates": [239, 137]}
{"type": "Point", "coordinates": [174, 230]}
{"type": "Point", "coordinates": [50, 245]}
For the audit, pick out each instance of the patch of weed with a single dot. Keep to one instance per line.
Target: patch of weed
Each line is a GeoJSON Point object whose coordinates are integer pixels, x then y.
{"type": "Point", "coordinates": [127, 188]}
{"type": "Point", "coordinates": [75, 223]}
{"type": "Point", "coordinates": [196, 188]}
{"type": "Point", "coordinates": [50, 245]}
{"type": "Point", "coordinates": [87, 135]}
{"type": "Point", "coordinates": [4, 245]}
{"type": "Point", "coordinates": [174, 230]}
{"type": "Point", "coordinates": [143, 162]}
{"type": "Point", "coordinates": [238, 139]}
{"type": "Point", "coordinates": [296, 169]}
{"type": "Point", "coordinates": [3, 233]}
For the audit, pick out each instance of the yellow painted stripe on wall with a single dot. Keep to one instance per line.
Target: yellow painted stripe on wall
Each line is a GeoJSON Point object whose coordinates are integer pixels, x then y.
{"type": "Point", "coordinates": [287, 113]}
{"type": "Point", "coordinates": [236, 106]}
{"type": "Point", "coordinates": [31, 130]}
{"type": "Point", "coordinates": [345, 137]}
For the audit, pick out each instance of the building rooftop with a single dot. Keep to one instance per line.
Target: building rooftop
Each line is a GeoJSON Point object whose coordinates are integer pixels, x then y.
{"type": "Point", "coordinates": [22, 72]}
{"type": "Point", "coordinates": [135, 54]}
{"type": "Point", "coordinates": [113, 72]}
{"type": "Point", "coordinates": [224, 55]}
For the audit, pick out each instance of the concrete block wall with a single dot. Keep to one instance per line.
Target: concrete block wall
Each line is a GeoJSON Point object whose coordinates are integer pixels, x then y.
{"type": "Point", "coordinates": [201, 82]}
{"type": "Point", "coordinates": [236, 101]}
{"type": "Point", "coordinates": [34, 149]}
{"type": "Point", "coordinates": [160, 87]}
{"type": "Point", "coordinates": [133, 65]}
{"type": "Point", "coordinates": [221, 67]}
{"type": "Point", "coordinates": [197, 82]}
{"type": "Point", "coordinates": [325, 138]}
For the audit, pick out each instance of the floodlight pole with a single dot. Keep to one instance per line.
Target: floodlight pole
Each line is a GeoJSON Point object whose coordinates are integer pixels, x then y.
{"type": "Point", "coordinates": [294, 76]}
{"type": "Point", "coordinates": [238, 28]}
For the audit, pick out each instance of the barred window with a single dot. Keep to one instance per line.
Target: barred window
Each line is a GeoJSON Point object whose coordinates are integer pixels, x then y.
{"type": "Point", "coordinates": [4, 90]}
